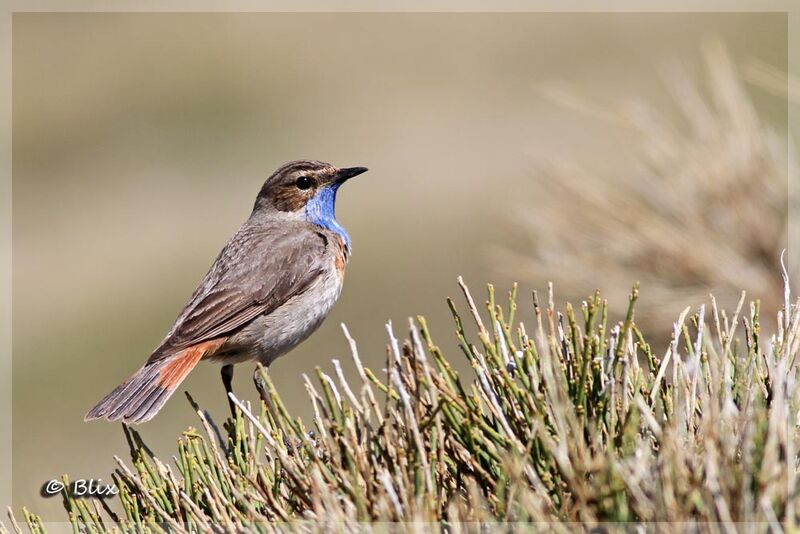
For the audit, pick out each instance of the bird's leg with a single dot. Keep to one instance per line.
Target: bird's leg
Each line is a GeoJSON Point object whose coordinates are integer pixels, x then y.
{"type": "Point", "coordinates": [227, 381]}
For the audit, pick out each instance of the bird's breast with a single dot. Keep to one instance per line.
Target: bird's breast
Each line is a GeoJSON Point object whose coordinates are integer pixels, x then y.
{"type": "Point", "coordinates": [341, 255]}
{"type": "Point", "coordinates": [269, 336]}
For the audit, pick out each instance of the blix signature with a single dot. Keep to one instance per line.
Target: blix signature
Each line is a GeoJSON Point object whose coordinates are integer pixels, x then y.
{"type": "Point", "coordinates": [82, 487]}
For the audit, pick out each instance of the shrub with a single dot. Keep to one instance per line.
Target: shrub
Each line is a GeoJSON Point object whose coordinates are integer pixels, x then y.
{"type": "Point", "coordinates": [570, 418]}
{"type": "Point", "coordinates": [699, 203]}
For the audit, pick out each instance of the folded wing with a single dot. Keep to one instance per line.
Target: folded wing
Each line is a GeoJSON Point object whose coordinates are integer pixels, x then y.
{"type": "Point", "coordinates": [259, 269]}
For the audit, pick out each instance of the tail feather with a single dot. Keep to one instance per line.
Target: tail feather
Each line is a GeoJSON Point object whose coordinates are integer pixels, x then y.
{"type": "Point", "coordinates": [140, 397]}
{"type": "Point", "coordinates": [150, 405]}
{"type": "Point", "coordinates": [132, 390]}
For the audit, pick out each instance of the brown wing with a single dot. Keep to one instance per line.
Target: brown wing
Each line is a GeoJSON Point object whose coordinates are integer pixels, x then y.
{"type": "Point", "coordinates": [258, 270]}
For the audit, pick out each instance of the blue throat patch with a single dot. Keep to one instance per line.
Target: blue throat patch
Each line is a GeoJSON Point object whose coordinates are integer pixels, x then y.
{"type": "Point", "coordinates": [321, 210]}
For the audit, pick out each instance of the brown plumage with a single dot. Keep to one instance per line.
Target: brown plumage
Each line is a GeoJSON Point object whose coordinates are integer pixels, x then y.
{"type": "Point", "coordinates": [270, 287]}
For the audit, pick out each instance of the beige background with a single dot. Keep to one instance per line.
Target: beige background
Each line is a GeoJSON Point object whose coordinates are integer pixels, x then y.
{"type": "Point", "coordinates": [140, 140]}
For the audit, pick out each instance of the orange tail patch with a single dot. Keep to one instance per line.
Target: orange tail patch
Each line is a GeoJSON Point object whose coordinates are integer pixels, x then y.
{"type": "Point", "coordinates": [175, 370]}
{"type": "Point", "coordinates": [140, 397]}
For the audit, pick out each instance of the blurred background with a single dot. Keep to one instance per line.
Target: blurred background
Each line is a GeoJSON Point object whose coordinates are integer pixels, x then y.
{"type": "Point", "coordinates": [588, 149]}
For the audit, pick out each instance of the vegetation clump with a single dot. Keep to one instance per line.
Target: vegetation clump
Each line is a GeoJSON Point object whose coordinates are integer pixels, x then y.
{"type": "Point", "coordinates": [697, 202]}
{"type": "Point", "coordinates": [567, 417]}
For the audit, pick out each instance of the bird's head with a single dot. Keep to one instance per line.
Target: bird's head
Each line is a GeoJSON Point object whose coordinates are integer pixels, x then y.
{"type": "Point", "coordinates": [306, 189]}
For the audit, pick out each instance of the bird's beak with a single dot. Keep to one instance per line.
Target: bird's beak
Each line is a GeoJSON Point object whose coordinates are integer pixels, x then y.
{"type": "Point", "coordinates": [342, 175]}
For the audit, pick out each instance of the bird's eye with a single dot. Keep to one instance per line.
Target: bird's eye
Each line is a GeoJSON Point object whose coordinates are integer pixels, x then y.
{"type": "Point", "coordinates": [304, 182]}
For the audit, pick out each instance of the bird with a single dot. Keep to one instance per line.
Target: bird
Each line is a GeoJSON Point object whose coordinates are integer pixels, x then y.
{"type": "Point", "coordinates": [269, 289]}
